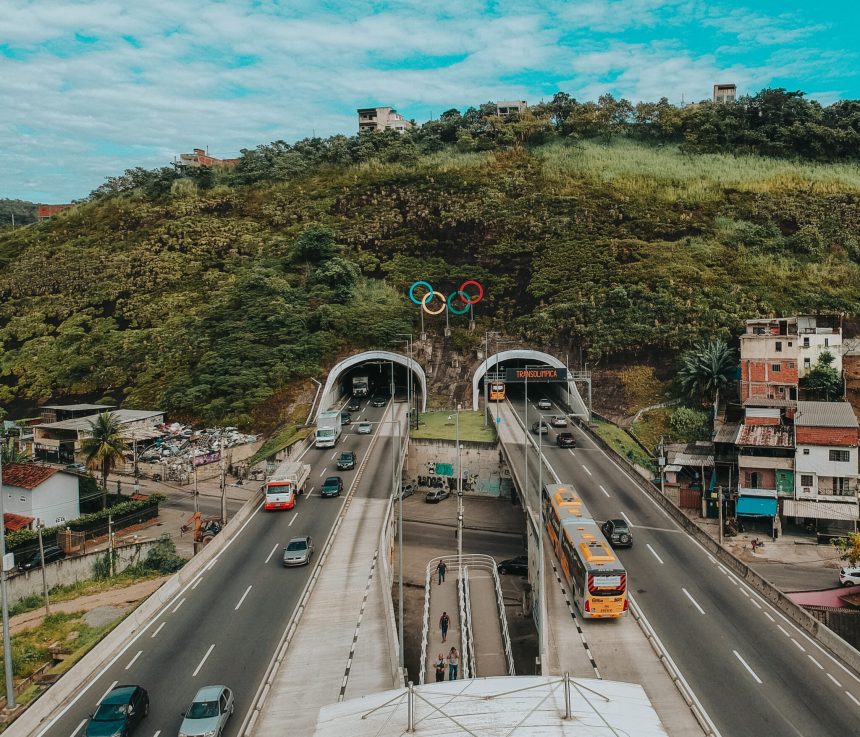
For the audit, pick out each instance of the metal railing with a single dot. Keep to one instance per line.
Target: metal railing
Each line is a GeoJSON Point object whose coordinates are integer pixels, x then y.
{"type": "Point", "coordinates": [428, 582]}
{"type": "Point", "coordinates": [469, 657]}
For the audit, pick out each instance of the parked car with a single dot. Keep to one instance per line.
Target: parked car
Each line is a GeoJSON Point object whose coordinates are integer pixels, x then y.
{"type": "Point", "coordinates": [208, 714]}
{"type": "Point", "coordinates": [407, 490]}
{"type": "Point", "coordinates": [565, 440]}
{"type": "Point", "coordinates": [849, 576]}
{"type": "Point", "coordinates": [363, 428]}
{"type": "Point", "coordinates": [346, 461]}
{"type": "Point", "coordinates": [34, 559]}
{"type": "Point", "coordinates": [332, 486]}
{"type": "Point", "coordinates": [518, 565]}
{"type": "Point", "coordinates": [345, 418]}
{"type": "Point", "coordinates": [558, 421]}
{"type": "Point", "coordinates": [119, 712]}
{"type": "Point", "coordinates": [354, 405]}
{"type": "Point", "coordinates": [540, 428]}
{"type": "Point", "coordinates": [436, 495]}
{"type": "Point", "coordinates": [75, 468]}
{"type": "Point", "coordinates": [298, 551]}
{"type": "Point", "coordinates": [379, 401]}
{"type": "Point", "coordinates": [618, 533]}
{"type": "Point", "coordinates": [544, 403]}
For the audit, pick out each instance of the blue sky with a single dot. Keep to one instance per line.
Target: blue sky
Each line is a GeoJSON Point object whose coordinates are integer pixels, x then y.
{"type": "Point", "coordinates": [89, 88]}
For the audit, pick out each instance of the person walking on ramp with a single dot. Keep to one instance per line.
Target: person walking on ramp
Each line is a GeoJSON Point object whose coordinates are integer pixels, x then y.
{"type": "Point", "coordinates": [453, 664]}
{"type": "Point", "coordinates": [444, 622]}
{"type": "Point", "coordinates": [440, 668]}
{"type": "Point", "coordinates": [441, 568]}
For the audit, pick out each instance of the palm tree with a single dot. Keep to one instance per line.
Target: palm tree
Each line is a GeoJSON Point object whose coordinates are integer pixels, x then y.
{"type": "Point", "coordinates": [706, 369]}
{"type": "Point", "coordinates": [104, 447]}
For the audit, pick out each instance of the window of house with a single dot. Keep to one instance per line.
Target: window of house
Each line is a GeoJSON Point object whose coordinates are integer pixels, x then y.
{"type": "Point", "coordinates": [806, 451]}
{"type": "Point", "coordinates": [840, 456]}
{"type": "Point", "coordinates": [826, 342]}
{"type": "Point", "coordinates": [775, 367]}
{"type": "Point", "coordinates": [806, 479]}
{"type": "Point", "coordinates": [806, 342]}
{"type": "Point", "coordinates": [779, 346]}
{"type": "Point", "coordinates": [807, 363]}
{"type": "Point", "coordinates": [841, 487]}
{"type": "Point", "coordinates": [790, 344]}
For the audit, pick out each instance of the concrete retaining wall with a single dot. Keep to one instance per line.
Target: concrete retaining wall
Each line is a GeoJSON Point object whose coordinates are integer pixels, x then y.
{"type": "Point", "coordinates": [480, 463]}
{"type": "Point", "coordinates": [39, 713]}
{"type": "Point", "coordinates": [815, 629]}
{"type": "Point", "coordinates": [71, 570]}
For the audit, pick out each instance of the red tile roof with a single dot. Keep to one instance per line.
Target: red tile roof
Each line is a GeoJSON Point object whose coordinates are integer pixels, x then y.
{"type": "Point", "coordinates": [25, 475]}
{"type": "Point", "coordinates": [14, 522]}
{"type": "Point", "coordinates": [768, 436]}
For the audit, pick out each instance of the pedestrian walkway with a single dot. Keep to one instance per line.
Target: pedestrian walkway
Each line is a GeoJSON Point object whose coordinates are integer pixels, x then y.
{"type": "Point", "coordinates": [488, 645]}
{"type": "Point", "coordinates": [443, 598]}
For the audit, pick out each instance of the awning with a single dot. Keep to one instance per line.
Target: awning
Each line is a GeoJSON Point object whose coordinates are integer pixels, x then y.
{"type": "Point", "coordinates": [14, 522]}
{"type": "Point", "coordinates": [756, 506]}
{"type": "Point", "coordinates": [820, 510]}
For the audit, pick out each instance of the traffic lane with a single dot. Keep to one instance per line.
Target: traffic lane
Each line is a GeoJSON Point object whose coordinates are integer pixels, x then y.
{"type": "Point", "coordinates": [500, 545]}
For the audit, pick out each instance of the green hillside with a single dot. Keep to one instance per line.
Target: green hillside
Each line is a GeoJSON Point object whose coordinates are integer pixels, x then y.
{"type": "Point", "coordinates": [208, 295]}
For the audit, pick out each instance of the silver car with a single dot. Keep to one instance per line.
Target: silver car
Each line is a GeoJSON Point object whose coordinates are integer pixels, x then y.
{"type": "Point", "coordinates": [298, 551]}
{"type": "Point", "coordinates": [363, 428]}
{"type": "Point", "coordinates": [208, 713]}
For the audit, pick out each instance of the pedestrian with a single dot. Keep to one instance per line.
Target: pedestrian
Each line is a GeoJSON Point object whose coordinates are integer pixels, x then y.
{"type": "Point", "coordinates": [441, 568]}
{"type": "Point", "coordinates": [444, 621]}
{"type": "Point", "coordinates": [440, 668]}
{"type": "Point", "coordinates": [453, 664]}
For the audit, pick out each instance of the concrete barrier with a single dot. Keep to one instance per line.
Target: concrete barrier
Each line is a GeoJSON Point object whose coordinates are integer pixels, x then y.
{"type": "Point", "coordinates": [42, 710]}
{"type": "Point", "coordinates": [825, 637]}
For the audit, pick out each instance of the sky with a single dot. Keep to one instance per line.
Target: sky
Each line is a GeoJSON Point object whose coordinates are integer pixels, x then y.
{"type": "Point", "coordinates": [89, 88]}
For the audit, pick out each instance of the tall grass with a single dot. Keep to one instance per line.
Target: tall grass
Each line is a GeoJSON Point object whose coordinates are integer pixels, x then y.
{"type": "Point", "coordinates": [669, 175]}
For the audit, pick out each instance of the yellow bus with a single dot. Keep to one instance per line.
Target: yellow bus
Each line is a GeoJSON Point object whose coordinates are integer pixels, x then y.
{"type": "Point", "coordinates": [497, 391]}
{"type": "Point", "coordinates": [590, 565]}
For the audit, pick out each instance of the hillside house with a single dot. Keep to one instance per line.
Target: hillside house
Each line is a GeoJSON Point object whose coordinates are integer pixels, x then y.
{"type": "Point", "coordinates": [380, 119]}
{"type": "Point", "coordinates": [39, 493]}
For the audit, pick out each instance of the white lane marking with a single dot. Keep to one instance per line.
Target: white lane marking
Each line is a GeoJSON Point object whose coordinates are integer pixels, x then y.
{"type": "Point", "coordinates": [654, 553]}
{"type": "Point", "coordinates": [176, 608]}
{"type": "Point", "coordinates": [627, 519]}
{"type": "Point", "coordinates": [802, 649]}
{"type": "Point", "coordinates": [767, 614]}
{"type": "Point", "coordinates": [694, 602]}
{"type": "Point", "coordinates": [585, 468]}
{"type": "Point", "coordinates": [78, 728]}
{"type": "Point", "coordinates": [744, 663]}
{"type": "Point", "coordinates": [293, 519]}
{"type": "Point", "coordinates": [242, 599]}
{"type": "Point", "coordinates": [756, 603]}
{"type": "Point", "coordinates": [322, 473]}
{"type": "Point", "coordinates": [334, 455]}
{"type": "Point", "coordinates": [821, 667]}
{"type": "Point", "coordinates": [131, 662]}
{"type": "Point", "coordinates": [157, 732]}
{"type": "Point", "coordinates": [311, 492]}
{"type": "Point", "coordinates": [277, 545]}
{"type": "Point", "coordinates": [208, 652]}
{"type": "Point", "coordinates": [783, 630]}
{"type": "Point", "coordinates": [109, 689]}
{"type": "Point", "coordinates": [196, 583]}
{"type": "Point", "coordinates": [604, 491]}
{"type": "Point", "coordinates": [851, 696]}
{"type": "Point", "coordinates": [158, 629]}
{"type": "Point", "coordinates": [834, 680]}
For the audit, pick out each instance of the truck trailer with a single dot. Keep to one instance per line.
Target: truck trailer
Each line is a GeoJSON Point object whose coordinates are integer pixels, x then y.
{"type": "Point", "coordinates": [328, 429]}
{"type": "Point", "coordinates": [285, 485]}
{"type": "Point", "coordinates": [360, 386]}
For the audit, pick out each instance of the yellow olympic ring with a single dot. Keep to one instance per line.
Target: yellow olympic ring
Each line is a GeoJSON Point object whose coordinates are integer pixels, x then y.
{"type": "Point", "coordinates": [427, 298]}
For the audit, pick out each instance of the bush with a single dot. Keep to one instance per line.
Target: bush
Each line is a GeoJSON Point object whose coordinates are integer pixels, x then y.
{"type": "Point", "coordinates": [690, 424]}
{"type": "Point", "coordinates": [162, 556]}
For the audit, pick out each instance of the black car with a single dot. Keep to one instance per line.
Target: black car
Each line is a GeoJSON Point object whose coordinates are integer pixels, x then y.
{"type": "Point", "coordinates": [618, 532]}
{"type": "Point", "coordinates": [518, 566]}
{"type": "Point", "coordinates": [565, 440]}
{"type": "Point", "coordinates": [34, 559]}
{"type": "Point", "coordinates": [354, 405]}
{"type": "Point", "coordinates": [332, 486]}
{"type": "Point", "coordinates": [345, 418]}
{"type": "Point", "coordinates": [379, 401]}
{"type": "Point", "coordinates": [346, 461]}
{"type": "Point", "coordinates": [119, 712]}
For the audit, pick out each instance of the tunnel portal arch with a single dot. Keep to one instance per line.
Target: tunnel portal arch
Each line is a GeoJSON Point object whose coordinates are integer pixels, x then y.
{"type": "Point", "coordinates": [330, 393]}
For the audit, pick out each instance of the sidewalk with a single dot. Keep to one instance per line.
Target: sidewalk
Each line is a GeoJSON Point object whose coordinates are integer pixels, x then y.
{"type": "Point", "coordinates": [486, 628]}
{"type": "Point", "coordinates": [443, 598]}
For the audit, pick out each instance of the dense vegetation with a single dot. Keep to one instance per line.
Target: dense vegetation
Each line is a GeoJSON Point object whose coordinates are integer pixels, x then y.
{"type": "Point", "coordinates": [209, 292]}
{"type": "Point", "coordinates": [16, 212]}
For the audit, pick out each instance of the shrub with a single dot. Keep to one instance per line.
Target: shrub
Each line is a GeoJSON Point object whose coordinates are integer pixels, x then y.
{"type": "Point", "coordinates": [690, 424]}
{"type": "Point", "coordinates": [162, 556]}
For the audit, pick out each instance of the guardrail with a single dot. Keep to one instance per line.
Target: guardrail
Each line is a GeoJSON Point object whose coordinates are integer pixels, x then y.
{"type": "Point", "coordinates": [468, 656]}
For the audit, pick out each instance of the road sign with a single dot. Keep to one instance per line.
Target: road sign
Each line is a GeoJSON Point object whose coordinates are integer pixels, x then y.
{"type": "Point", "coordinates": [544, 373]}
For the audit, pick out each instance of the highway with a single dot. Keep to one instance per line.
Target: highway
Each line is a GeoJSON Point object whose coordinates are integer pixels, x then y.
{"type": "Point", "coordinates": [224, 626]}
{"type": "Point", "coordinates": [754, 672]}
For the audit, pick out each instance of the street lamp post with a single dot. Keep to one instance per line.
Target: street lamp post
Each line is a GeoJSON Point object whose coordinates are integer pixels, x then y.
{"type": "Point", "coordinates": [541, 590]}
{"type": "Point", "coordinates": [459, 500]}
{"type": "Point", "coordinates": [7, 640]}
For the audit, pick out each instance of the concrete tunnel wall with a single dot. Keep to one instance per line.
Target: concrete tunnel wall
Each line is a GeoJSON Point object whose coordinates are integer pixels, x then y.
{"type": "Point", "coordinates": [330, 394]}
{"type": "Point", "coordinates": [523, 354]}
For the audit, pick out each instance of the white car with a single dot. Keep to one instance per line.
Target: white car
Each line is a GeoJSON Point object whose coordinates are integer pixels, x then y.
{"type": "Point", "coordinates": [849, 576]}
{"type": "Point", "coordinates": [544, 403]}
{"type": "Point", "coordinates": [363, 428]}
{"type": "Point", "coordinates": [558, 421]}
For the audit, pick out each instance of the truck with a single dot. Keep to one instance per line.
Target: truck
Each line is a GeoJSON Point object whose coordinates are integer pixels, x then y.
{"type": "Point", "coordinates": [328, 429]}
{"type": "Point", "coordinates": [285, 485]}
{"type": "Point", "coordinates": [202, 529]}
{"type": "Point", "coordinates": [360, 386]}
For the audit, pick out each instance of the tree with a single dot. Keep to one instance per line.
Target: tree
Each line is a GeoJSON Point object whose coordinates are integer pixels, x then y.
{"type": "Point", "coordinates": [705, 370]}
{"type": "Point", "coordinates": [104, 447]}
{"type": "Point", "coordinates": [849, 548]}
{"type": "Point", "coordinates": [823, 381]}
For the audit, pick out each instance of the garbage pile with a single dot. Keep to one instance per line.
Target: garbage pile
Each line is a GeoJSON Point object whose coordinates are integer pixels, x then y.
{"type": "Point", "coordinates": [182, 441]}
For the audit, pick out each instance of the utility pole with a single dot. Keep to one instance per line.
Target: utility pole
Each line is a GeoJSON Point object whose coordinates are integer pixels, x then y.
{"type": "Point", "coordinates": [459, 501]}
{"type": "Point", "coordinates": [486, 376]}
{"type": "Point", "coordinates": [223, 485]}
{"type": "Point", "coordinates": [661, 461]}
{"type": "Point", "coordinates": [110, 544]}
{"type": "Point", "coordinates": [720, 502]}
{"type": "Point", "coordinates": [541, 592]}
{"type": "Point", "coordinates": [39, 527]}
{"type": "Point", "coordinates": [194, 468]}
{"type": "Point", "coordinates": [7, 640]}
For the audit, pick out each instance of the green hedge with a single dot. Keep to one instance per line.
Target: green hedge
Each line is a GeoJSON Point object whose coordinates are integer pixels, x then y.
{"type": "Point", "coordinates": [85, 523]}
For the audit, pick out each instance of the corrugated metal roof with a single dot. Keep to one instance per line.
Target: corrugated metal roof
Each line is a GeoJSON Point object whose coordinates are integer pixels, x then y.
{"type": "Point", "coordinates": [824, 414]}
{"type": "Point", "coordinates": [766, 436]}
{"type": "Point", "coordinates": [820, 510]}
{"type": "Point", "coordinates": [728, 433]}
{"type": "Point", "coordinates": [79, 407]}
{"type": "Point", "coordinates": [500, 706]}
{"type": "Point", "coordinates": [769, 402]}
{"type": "Point", "coordinates": [84, 423]}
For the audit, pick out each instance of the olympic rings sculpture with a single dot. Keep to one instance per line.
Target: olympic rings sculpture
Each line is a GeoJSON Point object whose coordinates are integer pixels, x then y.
{"type": "Point", "coordinates": [424, 302]}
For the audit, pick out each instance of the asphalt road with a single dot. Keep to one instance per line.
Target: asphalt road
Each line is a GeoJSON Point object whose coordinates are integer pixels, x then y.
{"type": "Point", "coordinates": [754, 672]}
{"type": "Point", "coordinates": [225, 624]}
